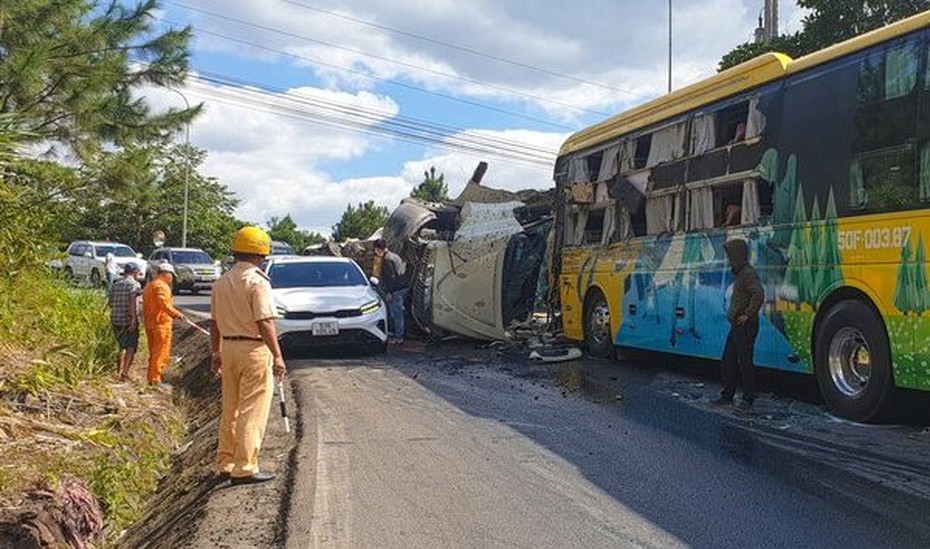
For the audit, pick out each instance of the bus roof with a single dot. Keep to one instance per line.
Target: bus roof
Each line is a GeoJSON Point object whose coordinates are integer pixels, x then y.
{"type": "Point", "coordinates": [745, 76]}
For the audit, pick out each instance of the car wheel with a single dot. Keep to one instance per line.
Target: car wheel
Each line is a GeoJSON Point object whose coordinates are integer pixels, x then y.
{"type": "Point", "coordinates": [381, 347]}
{"type": "Point", "coordinates": [95, 278]}
{"type": "Point", "coordinates": [853, 362]}
{"type": "Point", "coordinates": [597, 335]}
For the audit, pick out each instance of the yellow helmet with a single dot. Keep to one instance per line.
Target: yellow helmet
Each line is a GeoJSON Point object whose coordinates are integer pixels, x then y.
{"type": "Point", "coordinates": [251, 240]}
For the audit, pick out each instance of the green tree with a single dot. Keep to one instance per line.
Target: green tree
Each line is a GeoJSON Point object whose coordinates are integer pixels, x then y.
{"type": "Point", "coordinates": [69, 69]}
{"type": "Point", "coordinates": [286, 230]}
{"type": "Point", "coordinates": [815, 230]}
{"type": "Point", "coordinates": [360, 222]}
{"type": "Point", "coordinates": [829, 22]}
{"type": "Point", "coordinates": [798, 279]}
{"type": "Point", "coordinates": [433, 188]}
{"type": "Point", "coordinates": [921, 294]}
{"type": "Point", "coordinates": [137, 190]}
{"type": "Point", "coordinates": [830, 273]}
{"type": "Point", "coordinates": [903, 290]}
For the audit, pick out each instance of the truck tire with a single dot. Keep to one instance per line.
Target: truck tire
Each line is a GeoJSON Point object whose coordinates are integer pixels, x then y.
{"type": "Point", "coordinates": [852, 361]}
{"type": "Point", "coordinates": [597, 332]}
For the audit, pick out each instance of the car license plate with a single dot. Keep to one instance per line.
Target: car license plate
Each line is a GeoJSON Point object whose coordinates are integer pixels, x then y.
{"type": "Point", "coordinates": [325, 328]}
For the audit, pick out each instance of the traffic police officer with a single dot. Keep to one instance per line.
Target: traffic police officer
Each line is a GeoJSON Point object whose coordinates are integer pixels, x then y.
{"type": "Point", "coordinates": [245, 354]}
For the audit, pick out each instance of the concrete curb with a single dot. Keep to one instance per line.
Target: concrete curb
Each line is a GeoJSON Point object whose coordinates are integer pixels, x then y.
{"type": "Point", "coordinates": [890, 489]}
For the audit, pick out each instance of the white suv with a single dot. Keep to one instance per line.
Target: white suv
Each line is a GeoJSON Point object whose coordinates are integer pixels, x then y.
{"type": "Point", "coordinates": [86, 259]}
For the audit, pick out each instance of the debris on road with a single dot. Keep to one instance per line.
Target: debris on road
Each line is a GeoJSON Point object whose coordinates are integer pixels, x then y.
{"type": "Point", "coordinates": [555, 354]}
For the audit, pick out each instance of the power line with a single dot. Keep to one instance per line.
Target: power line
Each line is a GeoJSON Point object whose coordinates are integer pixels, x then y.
{"type": "Point", "coordinates": [377, 78]}
{"type": "Point", "coordinates": [462, 48]}
{"type": "Point", "coordinates": [389, 60]}
{"type": "Point", "coordinates": [370, 122]}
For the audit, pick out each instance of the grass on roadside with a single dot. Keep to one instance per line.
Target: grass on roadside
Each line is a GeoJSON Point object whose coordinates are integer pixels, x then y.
{"type": "Point", "coordinates": [62, 411]}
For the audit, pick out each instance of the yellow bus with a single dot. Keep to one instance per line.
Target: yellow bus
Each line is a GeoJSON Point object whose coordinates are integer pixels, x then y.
{"type": "Point", "coordinates": [822, 164]}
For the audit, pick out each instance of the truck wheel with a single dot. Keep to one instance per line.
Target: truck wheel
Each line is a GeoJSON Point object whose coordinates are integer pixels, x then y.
{"type": "Point", "coordinates": [597, 325]}
{"type": "Point", "coordinates": [852, 360]}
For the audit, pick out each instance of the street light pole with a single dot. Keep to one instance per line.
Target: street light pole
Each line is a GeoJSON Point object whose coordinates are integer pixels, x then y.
{"type": "Point", "coordinates": [669, 46]}
{"type": "Point", "coordinates": [187, 167]}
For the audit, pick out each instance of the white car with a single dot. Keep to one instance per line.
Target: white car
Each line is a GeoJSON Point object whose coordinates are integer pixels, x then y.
{"type": "Point", "coordinates": [86, 260]}
{"type": "Point", "coordinates": [325, 301]}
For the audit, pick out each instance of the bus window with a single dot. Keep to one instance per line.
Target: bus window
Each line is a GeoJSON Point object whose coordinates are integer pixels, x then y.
{"type": "Point", "coordinates": [638, 222]}
{"type": "Point", "coordinates": [728, 204]}
{"type": "Point", "coordinates": [731, 124]}
{"type": "Point", "coordinates": [643, 145]}
{"type": "Point", "coordinates": [594, 228]}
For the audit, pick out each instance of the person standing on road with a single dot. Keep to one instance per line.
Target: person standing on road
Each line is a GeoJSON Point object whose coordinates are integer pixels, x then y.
{"type": "Point", "coordinates": [393, 286]}
{"type": "Point", "coordinates": [737, 363]}
{"type": "Point", "coordinates": [246, 356]}
{"type": "Point", "coordinates": [112, 268]}
{"type": "Point", "coordinates": [158, 313]}
{"type": "Point", "coordinates": [124, 317]}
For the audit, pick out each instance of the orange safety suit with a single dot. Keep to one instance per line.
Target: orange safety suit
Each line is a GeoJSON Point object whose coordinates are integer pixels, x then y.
{"type": "Point", "coordinates": [157, 312]}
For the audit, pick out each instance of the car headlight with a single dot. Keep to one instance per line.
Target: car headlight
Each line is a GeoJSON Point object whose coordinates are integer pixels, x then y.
{"type": "Point", "coordinates": [280, 309]}
{"type": "Point", "coordinates": [184, 269]}
{"type": "Point", "coordinates": [218, 271]}
{"type": "Point", "coordinates": [370, 307]}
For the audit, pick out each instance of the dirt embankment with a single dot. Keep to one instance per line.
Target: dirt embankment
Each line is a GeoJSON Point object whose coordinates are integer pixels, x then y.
{"type": "Point", "coordinates": [81, 463]}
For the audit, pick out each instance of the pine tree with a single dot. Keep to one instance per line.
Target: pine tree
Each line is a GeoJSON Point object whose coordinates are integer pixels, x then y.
{"type": "Point", "coordinates": [903, 289]}
{"type": "Point", "coordinates": [814, 257]}
{"type": "Point", "coordinates": [433, 188]}
{"type": "Point", "coordinates": [797, 273]}
{"type": "Point", "coordinates": [829, 272]}
{"type": "Point", "coordinates": [921, 294]}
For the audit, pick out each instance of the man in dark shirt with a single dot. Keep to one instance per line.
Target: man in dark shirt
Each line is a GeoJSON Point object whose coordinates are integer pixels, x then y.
{"type": "Point", "coordinates": [743, 315]}
{"type": "Point", "coordinates": [393, 286]}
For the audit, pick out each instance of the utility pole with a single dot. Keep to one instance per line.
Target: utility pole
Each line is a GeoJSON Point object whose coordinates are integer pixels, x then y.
{"type": "Point", "coordinates": [670, 46]}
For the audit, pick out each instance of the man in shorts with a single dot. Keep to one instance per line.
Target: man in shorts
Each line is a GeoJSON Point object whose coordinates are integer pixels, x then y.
{"type": "Point", "coordinates": [124, 316]}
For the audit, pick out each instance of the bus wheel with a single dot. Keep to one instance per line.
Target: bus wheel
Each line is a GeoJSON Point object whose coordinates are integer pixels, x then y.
{"type": "Point", "coordinates": [852, 360]}
{"type": "Point", "coordinates": [597, 325]}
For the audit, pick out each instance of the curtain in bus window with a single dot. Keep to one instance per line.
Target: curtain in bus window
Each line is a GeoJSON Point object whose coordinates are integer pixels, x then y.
{"type": "Point", "coordinates": [667, 144]}
{"type": "Point", "coordinates": [600, 192]}
{"type": "Point", "coordinates": [701, 209]}
{"type": "Point", "coordinates": [755, 122]}
{"type": "Point", "coordinates": [610, 163]}
{"type": "Point", "coordinates": [659, 214]}
{"type": "Point", "coordinates": [900, 71]}
{"type": "Point", "coordinates": [925, 173]}
{"type": "Point", "coordinates": [703, 134]}
{"type": "Point", "coordinates": [608, 234]}
{"type": "Point", "coordinates": [578, 170]}
{"type": "Point", "coordinates": [581, 221]}
{"type": "Point", "coordinates": [624, 223]}
{"type": "Point", "coordinates": [857, 196]}
{"type": "Point", "coordinates": [627, 159]}
{"type": "Point", "coordinates": [749, 210]}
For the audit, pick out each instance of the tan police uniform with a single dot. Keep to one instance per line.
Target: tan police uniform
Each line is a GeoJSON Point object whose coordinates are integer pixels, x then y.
{"type": "Point", "coordinates": [241, 298]}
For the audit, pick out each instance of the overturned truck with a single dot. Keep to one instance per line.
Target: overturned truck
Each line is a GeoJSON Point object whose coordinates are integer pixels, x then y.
{"type": "Point", "coordinates": [475, 260]}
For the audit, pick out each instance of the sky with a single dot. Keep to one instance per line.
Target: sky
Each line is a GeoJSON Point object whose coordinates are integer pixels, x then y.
{"type": "Point", "coordinates": [312, 105]}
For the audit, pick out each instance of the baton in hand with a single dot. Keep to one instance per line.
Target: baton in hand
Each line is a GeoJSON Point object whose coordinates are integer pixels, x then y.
{"type": "Point", "coordinates": [199, 329]}
{"type": "Point", "coordinates": [287, 425]}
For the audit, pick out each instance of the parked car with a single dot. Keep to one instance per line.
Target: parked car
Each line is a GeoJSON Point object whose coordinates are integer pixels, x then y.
{"type": "Point", "coordinates": [196, 270]}
{"type": "Point", "coordinates": [325, 302]}
{"type": "Point", "coordinates": [281, 248]}
{"type": "Point", "coordinates": [86, 259]}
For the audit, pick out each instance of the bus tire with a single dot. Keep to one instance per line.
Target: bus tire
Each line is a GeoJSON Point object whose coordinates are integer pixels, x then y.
{"type": "Point", "coordinates": [597, 330]}
{"type": "Point", "coordinates": [852, 362]}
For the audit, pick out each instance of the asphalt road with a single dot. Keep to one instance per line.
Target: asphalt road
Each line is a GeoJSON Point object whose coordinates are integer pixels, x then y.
{"type": "Point", "coordinates": [199, 302]}
{"type": "Point", "coordinates": [411, 450]}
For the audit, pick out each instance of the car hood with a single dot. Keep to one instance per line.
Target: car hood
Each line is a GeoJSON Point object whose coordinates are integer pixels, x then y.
{"type": "Point", "coordinates": [324, 300]}
{"type": "Point", "coordinates": [122, 261]}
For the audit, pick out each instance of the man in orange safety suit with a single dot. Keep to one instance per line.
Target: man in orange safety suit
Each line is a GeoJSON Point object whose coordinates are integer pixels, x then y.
{"type": "Point", "coordinates": [247, 356]}
{"type": "Point", "coordinates": [158, 312]}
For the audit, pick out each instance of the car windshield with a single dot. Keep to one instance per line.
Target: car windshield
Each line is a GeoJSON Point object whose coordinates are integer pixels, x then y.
{"type": "Point", "coordinates": [315, 275]}
{"type": "Point", "coordinates": [191, 258]}
{"type": "Point", "coordinates": [117, 251]}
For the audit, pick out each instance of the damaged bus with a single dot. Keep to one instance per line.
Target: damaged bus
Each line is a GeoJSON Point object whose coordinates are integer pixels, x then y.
{"type": "Point", "coordinates": [822, 164]}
